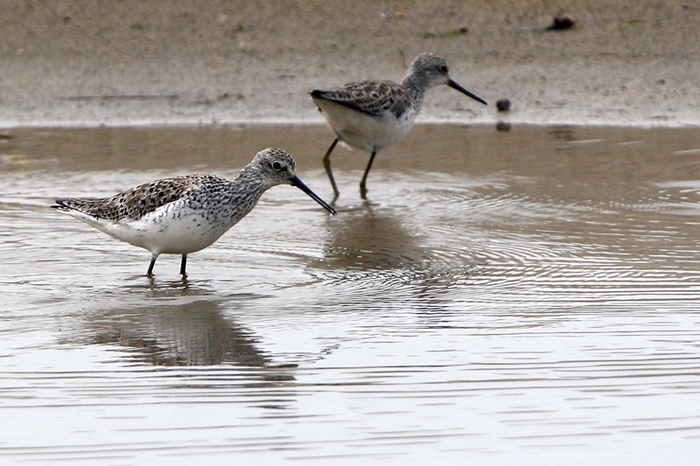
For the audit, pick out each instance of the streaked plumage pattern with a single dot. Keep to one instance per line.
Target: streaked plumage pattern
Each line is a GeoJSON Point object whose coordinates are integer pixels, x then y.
{"type": "Point", "coordinates": [185, 214]}
{"type": "Point", "coordinates": [136, 202]}
{"type": "Point", "coordinates": [373, 115]}
{"type": "Point", "coordinates": [371, 97]}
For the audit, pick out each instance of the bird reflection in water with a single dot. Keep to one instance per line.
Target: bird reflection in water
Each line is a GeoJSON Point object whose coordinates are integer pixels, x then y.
{"type": "Point", "coordinates": [367, 238]}
{"type": "Point", "coordinates": [190, 334]}
{"type": "Point", "coordinates": [374, 246]}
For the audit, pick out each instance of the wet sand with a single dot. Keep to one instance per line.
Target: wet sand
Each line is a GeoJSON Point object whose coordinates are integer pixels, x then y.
{"type": "Point", "coordinates": [132, 62]}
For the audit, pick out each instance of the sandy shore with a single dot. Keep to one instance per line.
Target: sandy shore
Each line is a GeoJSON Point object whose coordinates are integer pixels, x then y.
{"type": "Point", "coordinates": [189, 62]}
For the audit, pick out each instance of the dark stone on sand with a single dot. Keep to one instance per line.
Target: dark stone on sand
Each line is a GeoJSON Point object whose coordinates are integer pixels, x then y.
{"type": "Point", "coordinates": [503, 105]}
{"type": "Point", "coordinates": [560, 22]}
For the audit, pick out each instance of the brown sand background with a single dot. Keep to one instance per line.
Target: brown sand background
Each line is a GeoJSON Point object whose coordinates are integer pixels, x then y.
{"type": "Point", "coordinates": [76, 62]}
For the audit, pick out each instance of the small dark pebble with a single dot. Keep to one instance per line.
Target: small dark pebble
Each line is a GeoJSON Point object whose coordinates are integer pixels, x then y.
{"type": "Point", "coordinates": [502, 126]}
{"type": "Point", "coordinates": [561, 22]}
{"type": "Point", "coordinates": [463, 30]}
{"type": "Point", "coordinates": [661, 81]}
{"type": "Point", "coordinates": [503, 105]}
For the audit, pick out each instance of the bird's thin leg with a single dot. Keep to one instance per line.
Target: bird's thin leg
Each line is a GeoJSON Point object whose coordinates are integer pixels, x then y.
{"type": "Point", "coordinates": [327, 166]}
{"type": "Point", "coordinates": [363, 182]}
{"type": "Point", "coordinates": [183, 265]}
{"type": "Point", "coordinates": [150, 267]}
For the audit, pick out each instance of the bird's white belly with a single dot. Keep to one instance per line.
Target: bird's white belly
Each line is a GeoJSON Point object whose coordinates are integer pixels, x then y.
{"type": "Point", "coordinates": [364, 131]}
{"type": "Point", "coordinates": [166, 231]}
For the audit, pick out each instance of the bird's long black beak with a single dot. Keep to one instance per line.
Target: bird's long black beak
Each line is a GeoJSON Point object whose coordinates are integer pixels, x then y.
{"type": "Point", "coordinates": [297, 182]}
{"type": "Point", "coordinates": [454, 85]}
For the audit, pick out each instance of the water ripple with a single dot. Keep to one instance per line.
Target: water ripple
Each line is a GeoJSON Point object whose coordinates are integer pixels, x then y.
{"type": "Point", "coordinates": [525, 295]}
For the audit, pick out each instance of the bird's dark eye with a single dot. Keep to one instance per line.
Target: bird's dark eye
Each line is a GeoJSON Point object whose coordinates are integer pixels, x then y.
{"type": "Point", "coordinates": [277, 166]}
{"type": "Point", "coordinates": [443, 69]}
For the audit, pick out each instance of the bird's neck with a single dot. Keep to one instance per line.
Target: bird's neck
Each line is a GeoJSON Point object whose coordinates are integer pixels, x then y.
{"type": "Point", "coordinates": [416, 86]}
{"type": "Point", "coordinates": [246, 189]}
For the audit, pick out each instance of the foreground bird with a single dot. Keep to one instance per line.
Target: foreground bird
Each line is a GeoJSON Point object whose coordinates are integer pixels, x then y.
{"type": "Point", "coordinates": [186, 214]}
{"type": "Point", "coordinates": [373, 115]}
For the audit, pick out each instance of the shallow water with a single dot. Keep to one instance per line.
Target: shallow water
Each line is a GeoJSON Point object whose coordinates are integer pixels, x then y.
{"type": "Point", "coordinates": [511, 298]}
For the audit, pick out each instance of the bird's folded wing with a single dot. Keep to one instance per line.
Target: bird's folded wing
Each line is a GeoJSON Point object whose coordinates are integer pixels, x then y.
{"type": "Point", "coordinates": [136, 202]}
{"type": "Point", "coordinates": [371, 97]}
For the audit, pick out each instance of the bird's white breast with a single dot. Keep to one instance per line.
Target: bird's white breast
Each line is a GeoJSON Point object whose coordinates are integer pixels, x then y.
{"type": "Point", "coordinates": [363, 131]}
{"type": "Point", "coordinates": [171, 229]}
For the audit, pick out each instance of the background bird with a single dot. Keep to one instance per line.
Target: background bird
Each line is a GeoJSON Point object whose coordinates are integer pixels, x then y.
{"type": "Point", "coordinates": [373, 115]}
